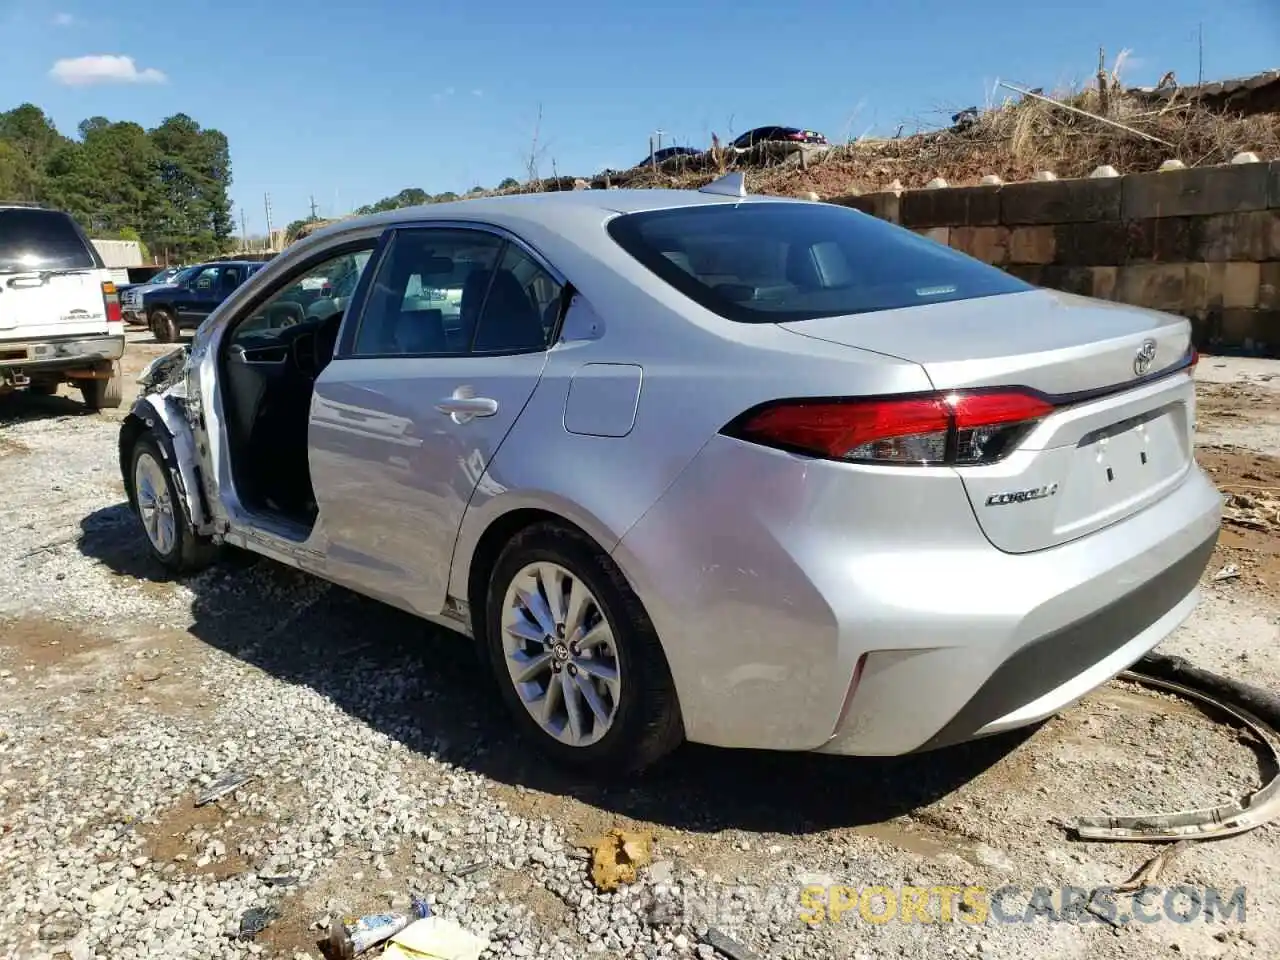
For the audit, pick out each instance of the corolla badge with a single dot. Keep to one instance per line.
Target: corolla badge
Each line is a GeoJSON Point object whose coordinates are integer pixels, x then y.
{"type": "Point", "coordinates": [1022, 496]}
{"type": "Point", "coordinates": [1145, 356]}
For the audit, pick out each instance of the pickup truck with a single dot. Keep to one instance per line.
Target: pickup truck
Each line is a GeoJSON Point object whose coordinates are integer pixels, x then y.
{"type": "Point", "coordinates": [131, 294]}
{"type": "Point", "coordinates": [60, 317]}
{"type": "Point", "coordinates": [170, 308]}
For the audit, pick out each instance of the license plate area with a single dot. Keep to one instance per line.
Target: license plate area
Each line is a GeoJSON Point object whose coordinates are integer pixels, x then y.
{"type": "Point", "coordinates": [1119, 468]}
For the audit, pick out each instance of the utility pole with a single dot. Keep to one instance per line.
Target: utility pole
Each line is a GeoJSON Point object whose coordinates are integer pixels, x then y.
{"type": "Point", "coordinates": [244, 229]}
{"type": "Point", "coordinates": [313, 207]}
{"type": "Point", "coordinates": [266, 199]}
{"type": "Point", "coordinates": [1200, 47]}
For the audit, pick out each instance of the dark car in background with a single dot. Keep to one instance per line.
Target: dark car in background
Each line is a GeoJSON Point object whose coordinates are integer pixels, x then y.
{"type": "Point", "coordinates": [185, 303]}
{"type": "Point", "coordinates": [666, 153]}
{"type": "Point", "coordinates": [778, 134]}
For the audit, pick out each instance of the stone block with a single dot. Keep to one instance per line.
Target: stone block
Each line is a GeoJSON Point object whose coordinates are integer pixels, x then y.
{"type": "Point", "coordinates": [1269, 286]}
{"type": "Point", "coordinates": [885, 205]}
{"type": "Point", "coordinates": [1032, 244]}
{"type": "Point", "coordinates": [1273, 185]}
{"type": "Point", "coordinates": [1078, 280]}
{"type": "Point", "coordinates": [1104, 282]}
{"type": "Point", "coordinates": [1175, 239]}
{"type": "Point", "coordinates": [1160, 286]}
{"type": "Point", "coordinates": [1107, 243]}
{"type": "Point", "coordinates": [1239, 236]}
{"type": "Point", "coordinates": [951, 207]}
{"type": "Point", "coordinates": [1215, 283]}
{"type": "Point", "coordinates": [988, 244]}
{"type": "Point", "coordinates": [940, 235]}
{"type": "Point", "coordinates": [1195, 297]}
{"type": "Point", "coordinates": [1060, 201]}
{"type": "Point", "coordinates": [1242, 326]}
{"type": "Point", "coordinates": [1030, 272]}
{"type": "Point", "coordinates": [1202, 191]}
{"type": "Point", "coordinates": [1241, 285]}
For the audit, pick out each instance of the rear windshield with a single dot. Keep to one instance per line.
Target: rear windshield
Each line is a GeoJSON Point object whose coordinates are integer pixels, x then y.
{"type": "Point", "coordinates": [42, 240]}
{"type": "Point", "coordinates": [764, 262]}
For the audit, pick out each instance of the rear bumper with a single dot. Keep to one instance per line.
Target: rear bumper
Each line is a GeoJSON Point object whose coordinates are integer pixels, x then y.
{"type": "Point", "coordinates": [54, 353]}
{"type": "Point", "coordinates": [770, 578]}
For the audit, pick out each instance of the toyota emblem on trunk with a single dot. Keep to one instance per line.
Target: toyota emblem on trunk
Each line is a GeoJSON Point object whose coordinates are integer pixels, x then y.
{"type": "Point", "coordinates": [1143, 359]}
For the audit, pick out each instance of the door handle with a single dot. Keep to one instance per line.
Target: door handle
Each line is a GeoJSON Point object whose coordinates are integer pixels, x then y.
{"type": "Point", "coordinates": [462, 407]}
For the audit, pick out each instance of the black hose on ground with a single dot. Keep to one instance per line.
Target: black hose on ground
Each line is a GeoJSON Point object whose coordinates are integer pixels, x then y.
{"type": "Point", "coordinates": [1261, 703]}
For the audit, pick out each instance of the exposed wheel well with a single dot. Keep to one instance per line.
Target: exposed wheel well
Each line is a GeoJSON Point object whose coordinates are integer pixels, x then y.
{"type": "Point", "coordinates": [130, 430]}
{"type": "Point", "coordinates": [490, 545]}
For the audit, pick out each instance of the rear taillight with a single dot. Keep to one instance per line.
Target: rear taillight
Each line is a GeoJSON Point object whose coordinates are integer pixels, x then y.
{"type": "Point", "coordinates": [112, 301]}
{"type": "Point", "coordinates": [961, 428]}
{"type": "Point", "coordinates": [1195, 358]}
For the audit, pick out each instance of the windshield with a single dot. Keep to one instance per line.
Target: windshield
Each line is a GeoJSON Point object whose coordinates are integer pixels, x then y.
{"type": "Point", "coordinates": [767, 262]}
{"type": "Point", "coordinates": [33, 239]}
{"type": "Point", "coordinates": [165, 276]}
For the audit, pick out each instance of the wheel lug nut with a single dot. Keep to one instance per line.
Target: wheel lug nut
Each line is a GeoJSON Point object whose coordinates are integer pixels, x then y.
{"type": "Point", "coordinates": [560, 630]}
{"type": "Point", "coordinates": [555, 668]}
{"type": "Point", "coordinates": [573, 671]}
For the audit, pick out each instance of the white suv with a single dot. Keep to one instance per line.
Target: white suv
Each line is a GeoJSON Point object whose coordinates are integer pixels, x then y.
{"type": "Point", "coordinates": [60, 315]}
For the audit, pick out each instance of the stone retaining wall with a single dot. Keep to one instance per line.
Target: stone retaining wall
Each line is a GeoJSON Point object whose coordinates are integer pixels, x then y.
{"type": "Point", "coordinates": [1202, 242]}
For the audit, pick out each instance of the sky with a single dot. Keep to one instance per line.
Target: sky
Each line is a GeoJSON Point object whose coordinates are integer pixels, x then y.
{"type": "Point", "coordinates": [350, 102]}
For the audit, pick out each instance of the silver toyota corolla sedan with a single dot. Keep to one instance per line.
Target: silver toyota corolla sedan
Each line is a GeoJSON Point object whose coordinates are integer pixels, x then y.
{"type": "Point", "coordinates": [747, 471]}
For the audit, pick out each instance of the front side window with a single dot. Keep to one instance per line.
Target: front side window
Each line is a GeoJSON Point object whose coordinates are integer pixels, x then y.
{"type": "Point", "coordinates": [206, 279]}
{"type": "Point", "coordinates": [777, 262]}
{"type": "Point", "coordinates": [310, 297]}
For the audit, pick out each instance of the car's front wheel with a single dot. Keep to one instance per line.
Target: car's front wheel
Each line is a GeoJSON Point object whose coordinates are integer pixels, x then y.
{"type": "Point", "coordinates": [169, 533]}
{"type": "Point", "coordinates": [575, 655]}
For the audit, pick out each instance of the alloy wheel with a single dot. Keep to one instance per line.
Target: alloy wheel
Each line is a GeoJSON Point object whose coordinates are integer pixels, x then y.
{"type": "Point", "coordinates": [561, 654]}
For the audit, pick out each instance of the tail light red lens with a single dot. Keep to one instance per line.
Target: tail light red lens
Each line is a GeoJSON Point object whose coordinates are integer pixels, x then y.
{"type": "Point", "coordinates": [961, 428]}
{"type": "Point", "coordinates": [111, 299]}
{"type": "Point", "coordinates": [1195, 358]}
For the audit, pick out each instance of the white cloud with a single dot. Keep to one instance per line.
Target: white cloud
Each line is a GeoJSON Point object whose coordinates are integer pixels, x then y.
{"type": "Point", "coordinates": [477, 93]}
{"type": "Point", "coordinates": [103, 68]}
{"type": "Point", "coordinates": [444, 94]}
{"type": "Point", "coordinates": [63, 19]}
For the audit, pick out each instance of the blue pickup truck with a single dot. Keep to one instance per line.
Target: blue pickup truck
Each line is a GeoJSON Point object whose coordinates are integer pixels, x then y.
{"type": "Point", "coordinates": [169, 308]}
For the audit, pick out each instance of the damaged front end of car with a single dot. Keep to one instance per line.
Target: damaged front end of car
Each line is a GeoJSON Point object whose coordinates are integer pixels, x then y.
{"type": "Point", "coordinates": [170, 413]}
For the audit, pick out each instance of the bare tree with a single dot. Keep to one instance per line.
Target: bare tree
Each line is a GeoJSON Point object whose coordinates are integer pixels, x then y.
{"type": "Point", "coordinates": [536, 152]}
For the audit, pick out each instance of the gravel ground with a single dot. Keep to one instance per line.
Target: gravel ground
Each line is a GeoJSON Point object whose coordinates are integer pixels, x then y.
{"type": "Point", "coordinates": [382, 765]}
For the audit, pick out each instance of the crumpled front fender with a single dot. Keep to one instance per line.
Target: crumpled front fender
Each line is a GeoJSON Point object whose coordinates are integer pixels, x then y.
{"type": "Point", "coordinates": [163, 414]}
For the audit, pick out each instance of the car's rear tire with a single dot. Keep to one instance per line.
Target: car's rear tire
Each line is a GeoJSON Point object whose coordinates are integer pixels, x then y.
{"type": "Point", "coordinates": [154, 495]}
{"type": "Point", "coordinates": [104, 394]}
{"type": "Point", "coordinates": [163, 324]}
{"type": "Point", "coordinates": [552, 588]}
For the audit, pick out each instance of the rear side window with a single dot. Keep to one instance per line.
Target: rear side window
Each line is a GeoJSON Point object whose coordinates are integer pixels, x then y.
{"type": "Point", "coordinates": [42, 240]}
{"type": "Point", "coordinates": [767, 262]}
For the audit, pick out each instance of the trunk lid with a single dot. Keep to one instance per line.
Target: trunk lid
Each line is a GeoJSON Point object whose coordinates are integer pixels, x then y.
{"type": "Point", "coordinates": [1122, 436]}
